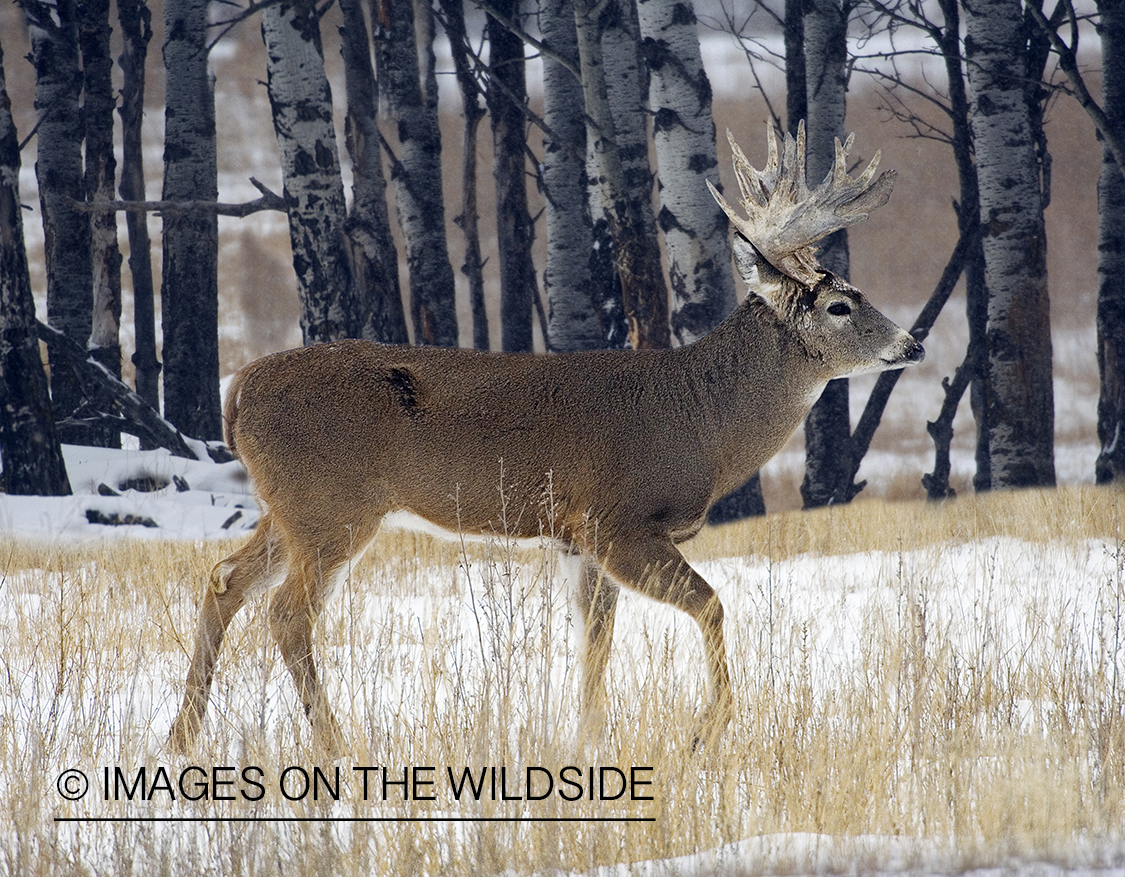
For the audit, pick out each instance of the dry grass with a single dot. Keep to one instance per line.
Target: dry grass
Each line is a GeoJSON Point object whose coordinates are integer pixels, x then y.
{"type": "Point", "coordinates": [1008, 746]}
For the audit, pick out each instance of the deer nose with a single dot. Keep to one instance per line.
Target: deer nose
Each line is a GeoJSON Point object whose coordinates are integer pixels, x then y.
{"type": "Point", "coordinates": [914, 351]}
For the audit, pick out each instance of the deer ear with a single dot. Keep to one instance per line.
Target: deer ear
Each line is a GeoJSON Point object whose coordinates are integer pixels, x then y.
{"type": "Point", "coordinates": [758, 274]}
{"type": "Point", "coordinates": [746, 259]}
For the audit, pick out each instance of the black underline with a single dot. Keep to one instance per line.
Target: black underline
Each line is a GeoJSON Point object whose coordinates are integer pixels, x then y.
{"type": "Point", "coordinates": [355, 819]}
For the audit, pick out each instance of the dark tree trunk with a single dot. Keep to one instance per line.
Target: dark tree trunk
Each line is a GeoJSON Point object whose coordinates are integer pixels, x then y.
{"type": "Point", "coordinates": [469, 220]}
{"type": "Point", "coordinates": [506, 96]}
{"type": "Point", "coordinates": [301, 101]}
{"type": "Point", "coordinates": [828, 443]}
{"type": "Point", "coordinates": [1110, 466]}
{"type": "Point", "coordinates": [58, 85]}
{"type": "Point", "coordinates": [796, 93]}
{"type": "Point", "coordinates": [136, 31]}
{"type": "Point", "coordinates": [374, 257]}
{"type": "Point", "coordinates": [100, 180]}
{"type": "Point", "coordinates": [417, 174]}
{"type": "Point", "coordinates": [189, 290]}
{"type": "Point", "coordinates": [29, 450]}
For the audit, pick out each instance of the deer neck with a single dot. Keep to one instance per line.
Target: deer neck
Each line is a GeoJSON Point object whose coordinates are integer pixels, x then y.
{"type": "Point", "coordinates": [759, 380]}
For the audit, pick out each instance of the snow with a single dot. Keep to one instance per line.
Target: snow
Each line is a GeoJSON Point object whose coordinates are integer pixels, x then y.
{"type": "Point", "coordinates": [978, 594]}
{"type": "Point", "coordinates": [215, 492]}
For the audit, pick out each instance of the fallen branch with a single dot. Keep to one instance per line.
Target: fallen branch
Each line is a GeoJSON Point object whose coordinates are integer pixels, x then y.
{"type": "Point", "coordinates": [111, 403]}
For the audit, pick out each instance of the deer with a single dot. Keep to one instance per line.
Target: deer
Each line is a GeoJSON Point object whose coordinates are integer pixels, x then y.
{"type": "Point", "coordinates": [632, 446]}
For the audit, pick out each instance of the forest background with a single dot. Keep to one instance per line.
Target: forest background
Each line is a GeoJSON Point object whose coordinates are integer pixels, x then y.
{"type": "Point", "coordinates": [897, 257]}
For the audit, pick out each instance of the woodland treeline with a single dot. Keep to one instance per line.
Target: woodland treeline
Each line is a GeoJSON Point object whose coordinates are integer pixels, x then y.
{"type": "Point", "coordinates": [622, 79]}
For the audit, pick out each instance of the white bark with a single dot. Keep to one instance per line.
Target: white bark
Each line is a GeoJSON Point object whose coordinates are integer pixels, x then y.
{"type": "Point", "coordinates": [1019, 392]}
{"type": "Point", "coordinates": [608, 46]}
{"type": "Point", "coordinates": [314, 191]}
{"type": "Point", "coordinates": [694, 227]}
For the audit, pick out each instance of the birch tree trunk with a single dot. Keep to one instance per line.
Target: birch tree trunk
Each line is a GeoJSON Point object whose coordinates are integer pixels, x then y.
{"type": "Point", "coordinates": [1110, 465]}
{"type": "Point", "coordinates": [58, 168]}
{"type": "Point", "coordinates": [100, 184]}
{"type": "Point", "coordinates": [573, 321]}
{"type": "Point", "coordinates": [29, 450]}
{"type": "Point", "coordinates": [368, 226]}
{"type": "Point", "coordinates": [694, 227]}
{"type": "Point", "coordinates": [189, 290]}
{"type": "Point", "coordinates": [136, 32]}
{"type": "Point", "coordinates": [301, 101]}
{"type": "Point", "coordinates": [417, 174]}
{"type": "Point", "coordinates": [506, 96]}
{"type": "Point", "coordinates": [1019, 395]}
{"type": "Point", "coordinates": [608, 51]}
{"type": "Point", "coordinates": [828, 444]}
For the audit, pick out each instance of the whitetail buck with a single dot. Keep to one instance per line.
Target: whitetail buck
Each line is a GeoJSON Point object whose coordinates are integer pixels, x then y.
{"type": "Point", "coordinates": [633, 446]}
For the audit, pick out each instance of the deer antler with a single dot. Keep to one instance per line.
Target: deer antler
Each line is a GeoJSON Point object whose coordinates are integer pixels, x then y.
{"type": "Point", "coordinates": [784, 219]}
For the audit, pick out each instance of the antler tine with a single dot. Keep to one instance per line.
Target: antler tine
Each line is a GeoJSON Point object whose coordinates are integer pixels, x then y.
{"type": "Point", "coordinates": [784, 218]}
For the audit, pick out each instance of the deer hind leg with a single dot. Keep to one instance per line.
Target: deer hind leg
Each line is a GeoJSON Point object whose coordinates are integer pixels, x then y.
{"type": "Point", "coordinates": [248, 571]}
{"type": "Point", "coordinates": [597, 609]}
{"type": "Point", "coordinates": [656, 568]}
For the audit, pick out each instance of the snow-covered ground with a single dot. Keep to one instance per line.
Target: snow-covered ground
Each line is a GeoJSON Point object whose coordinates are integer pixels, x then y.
{"type": "Point", "coordinates": [1014, 606]}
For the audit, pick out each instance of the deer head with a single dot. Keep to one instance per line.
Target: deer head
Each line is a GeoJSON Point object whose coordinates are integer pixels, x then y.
{"type": "Point", "coordinates": [774, 253]}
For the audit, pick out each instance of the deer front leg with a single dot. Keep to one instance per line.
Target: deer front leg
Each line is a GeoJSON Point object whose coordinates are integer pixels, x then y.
{"type": "Point", "coordinates": [656, 568]}
{"type": "Point", "coordinates": [597, 608]}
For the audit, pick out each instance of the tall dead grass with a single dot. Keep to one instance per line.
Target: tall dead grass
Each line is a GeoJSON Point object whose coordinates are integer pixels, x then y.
{"type": "Point", "coordinates": [1005, 747]}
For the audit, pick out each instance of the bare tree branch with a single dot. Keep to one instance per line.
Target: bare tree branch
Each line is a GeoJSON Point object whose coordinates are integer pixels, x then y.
{"type": "Point", "coordinates": [877, 401]}
{"type": "Point", "coordinates": [1068, 61]}
{"type": "Point", "coordinates": [542, 48]}
{"type": "Point", "coordinates": [269, 201]}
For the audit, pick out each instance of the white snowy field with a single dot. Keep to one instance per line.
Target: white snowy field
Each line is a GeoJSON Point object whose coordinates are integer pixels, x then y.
{"type": "Point", "coordinates": [919, 690]}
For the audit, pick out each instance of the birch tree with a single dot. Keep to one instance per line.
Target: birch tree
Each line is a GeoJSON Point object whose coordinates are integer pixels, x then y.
{"type": "Point", "coordinates": [1018, 390]}
{"type": "Point", "coordinates": [617, 135]}
{"type": "Point", "coordinates": [301, 101]}
{"type": "Point", "coordinates": [693, 225]}
{"type": "Point", "coordinates": [30, 457]}
{"type": "Point", "coordinates": [189, 287]}
{"type": "Point", "coordinates": [573, 321]}
{"type": "Point", "coordinates": [417, 174]}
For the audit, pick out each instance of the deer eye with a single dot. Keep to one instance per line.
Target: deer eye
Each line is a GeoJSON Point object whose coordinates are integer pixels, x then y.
{"type": "Point", "coordinates": [839, 309]}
